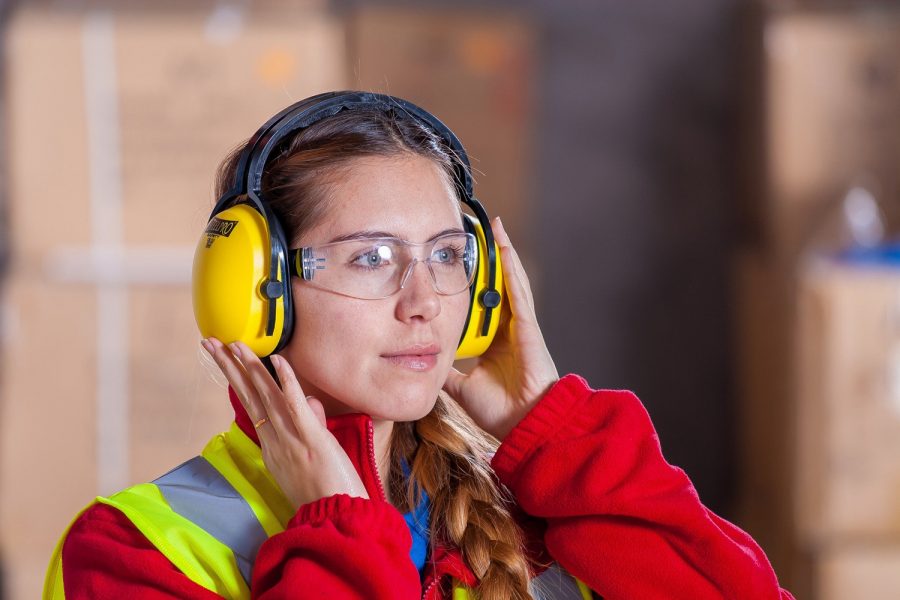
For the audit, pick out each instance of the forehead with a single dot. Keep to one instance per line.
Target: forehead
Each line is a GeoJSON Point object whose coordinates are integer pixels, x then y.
{"type": "Point", "coordinates": [407, 196]}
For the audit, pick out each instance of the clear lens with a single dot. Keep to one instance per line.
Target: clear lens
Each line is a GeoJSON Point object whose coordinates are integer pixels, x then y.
{"type": "Point", "coordinates": [450, 261]}
{"type": "Point", "coordinates": [379, 267]}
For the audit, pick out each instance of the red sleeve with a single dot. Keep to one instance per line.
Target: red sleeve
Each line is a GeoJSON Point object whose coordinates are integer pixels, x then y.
{"type": "Point", "coordinates": [619, 517]}
{"type": "Point", "coordinates": [342, 547]}
{"type": "Point", "coordinates": [105, 557]}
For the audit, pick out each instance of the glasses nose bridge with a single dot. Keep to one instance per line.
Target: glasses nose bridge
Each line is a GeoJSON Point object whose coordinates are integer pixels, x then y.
{"type": "Point", "coordinates": [409, 271]}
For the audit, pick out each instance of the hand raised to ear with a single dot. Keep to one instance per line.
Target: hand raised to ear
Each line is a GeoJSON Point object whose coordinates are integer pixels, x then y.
{"type": "Point", "coordinates": [517, 369]}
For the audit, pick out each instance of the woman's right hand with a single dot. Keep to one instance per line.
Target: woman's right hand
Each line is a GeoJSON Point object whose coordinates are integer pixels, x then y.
{"type": "Point", "coordinates": [303, 456]}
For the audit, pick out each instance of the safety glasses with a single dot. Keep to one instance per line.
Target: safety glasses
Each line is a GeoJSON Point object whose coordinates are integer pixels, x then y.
{"type": "Point", "coordinates": [375, 268]}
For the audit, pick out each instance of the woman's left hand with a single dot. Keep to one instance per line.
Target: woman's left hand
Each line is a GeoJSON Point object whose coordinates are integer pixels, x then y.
{"type": "Point", "coordinates": [517, 369]}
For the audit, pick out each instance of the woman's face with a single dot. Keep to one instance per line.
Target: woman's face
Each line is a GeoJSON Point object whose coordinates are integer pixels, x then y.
{"type": "Point", "coordinates": [387, 358]}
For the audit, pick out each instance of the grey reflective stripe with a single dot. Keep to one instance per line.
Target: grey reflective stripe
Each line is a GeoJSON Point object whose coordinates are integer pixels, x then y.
{"type": "Point", "coordinates": [555, 584]}
{"type": "Point", "coordinates": [199, 493]}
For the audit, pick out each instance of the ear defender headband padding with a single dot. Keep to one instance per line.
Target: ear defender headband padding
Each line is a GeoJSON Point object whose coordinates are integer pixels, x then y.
{"type": "Point", "coordinates": [241, 280]}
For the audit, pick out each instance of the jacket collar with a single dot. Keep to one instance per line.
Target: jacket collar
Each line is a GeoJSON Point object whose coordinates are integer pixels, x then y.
{"type": "Point", "coordinates": [355, 435]}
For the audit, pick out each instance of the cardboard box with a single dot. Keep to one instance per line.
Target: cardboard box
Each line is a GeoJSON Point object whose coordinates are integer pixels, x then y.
{"type": "Point", "coordinates": [832, 118]}
{"type": "Point", "coordinates": [848, 404]}
{"type": "Point", "coordinates": [116, 123]}
{"type": "Point", "coordinates": [858, 571]}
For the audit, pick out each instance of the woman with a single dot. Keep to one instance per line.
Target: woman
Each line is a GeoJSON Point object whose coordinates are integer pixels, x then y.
{"type": "Point", "coordinates": [358, 466]}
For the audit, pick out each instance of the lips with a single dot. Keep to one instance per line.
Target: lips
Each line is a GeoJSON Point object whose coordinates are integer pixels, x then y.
{"type": "Point", "coordinates": [419, 357]}
{"type": "Point", "coordinates": [415, 350]}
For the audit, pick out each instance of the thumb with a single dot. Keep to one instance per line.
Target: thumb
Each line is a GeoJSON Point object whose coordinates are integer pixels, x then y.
{"type": "Point", "coordinates": [454, 383]}
{"type": "Point", "coordinates": [317, 409]}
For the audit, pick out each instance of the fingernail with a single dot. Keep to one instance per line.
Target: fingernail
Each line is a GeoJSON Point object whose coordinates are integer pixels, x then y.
{"type": "Point", "coordinates": [235, 349]}
{"type": "Point", "coordinates": [207, 345]}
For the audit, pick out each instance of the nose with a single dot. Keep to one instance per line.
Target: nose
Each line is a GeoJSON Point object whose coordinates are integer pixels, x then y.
{"type": "Point", "coordinates": [417, 298]}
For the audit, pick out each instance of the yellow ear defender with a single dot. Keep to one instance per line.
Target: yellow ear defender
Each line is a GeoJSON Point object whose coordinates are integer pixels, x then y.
{"type": "Point", "coordinates": [231, 265]}
{"type": "Point", "coordinates": [241, 288]}
{"type": "Point", "coordinates": [480, 329]}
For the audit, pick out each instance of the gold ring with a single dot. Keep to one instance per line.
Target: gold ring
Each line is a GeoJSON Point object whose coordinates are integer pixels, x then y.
{"type": "Point", "coordinates": [261, 422]}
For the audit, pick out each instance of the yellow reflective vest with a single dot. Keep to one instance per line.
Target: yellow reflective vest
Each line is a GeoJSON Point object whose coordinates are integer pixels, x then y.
{"type": "Point", "coordinates": [210, 515]}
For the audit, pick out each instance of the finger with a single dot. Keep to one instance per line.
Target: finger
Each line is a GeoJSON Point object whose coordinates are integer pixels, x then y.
{"type": "Point", "coordinates": [236, 376]}
{"type": "Point", "coordinates": [272, 399]}
{"type": "Point", "coordinates": [508, 242]}
{"type": "Point", "coordinates": [315, 406]}
{"type": "Point", "coordinates": [298, 408]}
{"type": "Point", "coordinates": [521, 300]}
{"type": "Point", "coordinates": [504, 332]}
{"type": "Point", "coordinates": [519, 268]}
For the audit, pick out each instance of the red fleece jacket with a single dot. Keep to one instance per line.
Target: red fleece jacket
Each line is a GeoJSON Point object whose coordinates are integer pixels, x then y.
{"type": "Point", "coordinates": [586, 463]}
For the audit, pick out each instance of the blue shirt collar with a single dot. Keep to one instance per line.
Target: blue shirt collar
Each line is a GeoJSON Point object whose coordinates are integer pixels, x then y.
{"type": "Point", "coordinates": [417, 521]}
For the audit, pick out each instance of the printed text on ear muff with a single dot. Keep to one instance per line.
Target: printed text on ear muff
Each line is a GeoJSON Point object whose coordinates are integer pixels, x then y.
{"type": "Point", "coordinates": [218, 227]}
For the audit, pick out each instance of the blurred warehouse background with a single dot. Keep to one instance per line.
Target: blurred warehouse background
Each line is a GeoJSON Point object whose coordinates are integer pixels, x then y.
{"type": "Point", "coordinates": [706, 195]}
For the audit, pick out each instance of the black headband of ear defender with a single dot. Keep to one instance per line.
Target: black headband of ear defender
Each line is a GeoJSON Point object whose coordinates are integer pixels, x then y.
{"type": "Point", "coordinates": [253, 160]}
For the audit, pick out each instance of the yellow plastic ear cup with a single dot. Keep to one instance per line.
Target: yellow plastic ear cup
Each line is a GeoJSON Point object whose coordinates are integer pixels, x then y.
{"type": "Point", "coordinates": [230, 264]}
{"type": "Point", "coordinates": [473, 343]}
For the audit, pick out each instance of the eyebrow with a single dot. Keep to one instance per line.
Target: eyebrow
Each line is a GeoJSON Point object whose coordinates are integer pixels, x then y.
{"type": "Point", "coordinates": [369, 234]}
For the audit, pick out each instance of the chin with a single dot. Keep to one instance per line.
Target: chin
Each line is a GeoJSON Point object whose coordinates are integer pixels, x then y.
{"type": "Point", "coordinates": [408, 402]}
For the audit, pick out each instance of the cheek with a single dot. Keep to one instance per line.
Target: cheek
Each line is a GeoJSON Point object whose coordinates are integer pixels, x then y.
{"type": "Point", "coordinates": [328, 335]}
{"type": "Point", "coordinates": [457, 311]}
{"type": "Point", "coordinates": [454, 311]}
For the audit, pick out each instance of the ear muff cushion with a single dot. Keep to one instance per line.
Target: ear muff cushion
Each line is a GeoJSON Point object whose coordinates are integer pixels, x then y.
{"type": "Point", "coordinates": [230, 264]}
{"type": "Point", "coordinates": [472, 343]}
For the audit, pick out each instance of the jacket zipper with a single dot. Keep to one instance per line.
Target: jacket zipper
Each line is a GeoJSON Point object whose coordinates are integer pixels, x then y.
{"type": "Point", "coordinates": [370, 430]}
{"type": "Point", "coordinates": [428, 589]}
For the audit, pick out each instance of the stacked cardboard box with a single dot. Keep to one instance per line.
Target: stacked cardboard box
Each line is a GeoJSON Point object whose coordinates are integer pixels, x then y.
{"type": "Point", "coordinates": [116, 123]}
{"type": "Point", "coordinates": [847, 503]}
{"type": "Point", "coordinates": [830, 121]}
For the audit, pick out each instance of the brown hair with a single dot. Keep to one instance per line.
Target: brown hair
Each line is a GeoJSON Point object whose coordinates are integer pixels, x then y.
{"type": "Point", "coordinates": [448, 455]}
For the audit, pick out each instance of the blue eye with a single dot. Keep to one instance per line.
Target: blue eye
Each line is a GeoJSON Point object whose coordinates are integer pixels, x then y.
{"type": "Point", "coordinates": [446, 255]}
{"type": "Point", "coordinates": [374, 258]}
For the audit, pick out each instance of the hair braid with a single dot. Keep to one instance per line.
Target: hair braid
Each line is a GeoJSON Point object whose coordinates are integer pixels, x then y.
{"type": "Point", "coordinates": [449, 457]}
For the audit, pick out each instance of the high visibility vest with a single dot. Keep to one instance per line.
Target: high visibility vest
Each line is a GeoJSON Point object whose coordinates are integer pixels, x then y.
{"type": "Point", "coordinates": [210, 515]}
